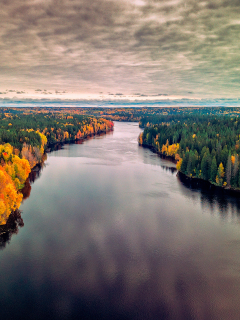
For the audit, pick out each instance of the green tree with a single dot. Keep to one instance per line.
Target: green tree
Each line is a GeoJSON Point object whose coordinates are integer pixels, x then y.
{"type": "Point", "coordinates": [213, 169]}
{"type": "Point", "coordinates": [204, 166]}
{"type": "Point", "coordinates": [235, 171]}
{"type": "Point", "coordinates": [229, 170]}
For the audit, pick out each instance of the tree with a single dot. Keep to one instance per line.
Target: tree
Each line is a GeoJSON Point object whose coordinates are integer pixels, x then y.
{"type": "Point", "coordinates": [204, 166]}
{"type": "Point", "coordinates": [229, 170]}
{"type": "Point", "coordinates": [220, 174]}
{"type": "Point", "coordinates": [235, 170]}
{"type": "Point", "coordinates": [184, 162]}
{"type": "Point", "coordinates": [179, 164]}
{"type": "Point", "coordinates": [213, 170]}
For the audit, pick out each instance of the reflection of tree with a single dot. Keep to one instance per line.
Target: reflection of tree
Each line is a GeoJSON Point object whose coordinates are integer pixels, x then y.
{"type": "Point", "coordinates": [169, 169]}
{"type": "Point", "coordinates": [26, 189]}
{"type": "Point", "coordinates": [226, 202]}
{"type": "Point", "coordinates": [34, 174]}
{"type": "Point", "coordinates": [12, 226]}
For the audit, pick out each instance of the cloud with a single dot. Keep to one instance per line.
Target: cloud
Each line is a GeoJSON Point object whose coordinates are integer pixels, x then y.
{"type": "Point", "coordinates": [60, 92]}
{"type": "Point", "coordinates": [46, 92]}
{"type": "Point", "coordinates": [176, 46]}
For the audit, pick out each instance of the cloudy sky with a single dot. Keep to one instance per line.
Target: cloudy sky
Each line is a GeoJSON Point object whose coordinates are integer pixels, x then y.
{"type": "Point", "coordinates": [119, 48]}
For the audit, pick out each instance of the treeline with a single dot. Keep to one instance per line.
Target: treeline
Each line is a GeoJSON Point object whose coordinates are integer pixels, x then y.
{"type": "Point", "coordinates": [167, 119]}
{"type": "Point", "coordinates": [204, 147]}
{"type": "Point", "coordinates": [127, 113]}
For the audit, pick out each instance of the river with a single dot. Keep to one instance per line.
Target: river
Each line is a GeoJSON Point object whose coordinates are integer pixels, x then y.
{"type": "Point", "coordinates": [111, 232]}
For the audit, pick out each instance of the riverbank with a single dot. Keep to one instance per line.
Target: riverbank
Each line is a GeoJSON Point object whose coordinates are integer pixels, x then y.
{"type": "Point", "coordinates": [163, 156]}
{"type": "Point", "coordinates": [58, 145]}
{"type": "Point", "coordinates": [197, 183]}
{"type": "Point", "coordinates": [194, 182]}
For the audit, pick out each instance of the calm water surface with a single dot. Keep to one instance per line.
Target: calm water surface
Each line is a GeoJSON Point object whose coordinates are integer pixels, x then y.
{"type": "Point", "coordinates": [110, 232]}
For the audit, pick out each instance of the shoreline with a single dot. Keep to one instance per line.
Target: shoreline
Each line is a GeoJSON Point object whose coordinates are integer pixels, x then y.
{"type": "Point", "coordinates": [162, 156]}
{"type": "Point", "coordinates": [195, 181]}
{"type": "Point", "coordinates": [52, 147]}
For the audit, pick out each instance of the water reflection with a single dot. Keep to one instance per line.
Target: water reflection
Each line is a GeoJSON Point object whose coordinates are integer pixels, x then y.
{"type": "Point", "coordinates": [218, 201]}
{"type": "Point", "coordinates": [11, 227]}
{"type": "Point", "coordinates": [34, 175]}
{"type": "Point", "coordinates": [173, 170]}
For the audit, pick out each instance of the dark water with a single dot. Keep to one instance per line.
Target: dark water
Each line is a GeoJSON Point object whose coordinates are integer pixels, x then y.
{"type": "Point", "coordinates": [110, 232]}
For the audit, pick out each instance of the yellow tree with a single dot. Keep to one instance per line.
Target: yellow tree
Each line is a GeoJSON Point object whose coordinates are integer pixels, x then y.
{"type": "Point", "coordinates": [220, 174]}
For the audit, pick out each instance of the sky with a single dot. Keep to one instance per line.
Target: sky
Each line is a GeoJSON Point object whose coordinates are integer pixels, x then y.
{"type": "Point", "coordinates": [119, 49]}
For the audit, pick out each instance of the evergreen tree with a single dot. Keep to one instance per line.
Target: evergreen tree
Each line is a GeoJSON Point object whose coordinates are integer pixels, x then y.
{"type": "Point", "coordinates": [213, 170]}
{"type": "Point", "coordinates": [204, 166]}
{"type": "Point", "coordinates": [235, 170]}
{"type": "Point", "coordinates": [185, 162]}
{"type": "Point", "coordinates": [229, 170]}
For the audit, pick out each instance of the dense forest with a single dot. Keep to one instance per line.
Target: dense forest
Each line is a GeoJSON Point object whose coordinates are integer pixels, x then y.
{"type": "Point", "coordinates": [206, 147]}
{"type": "Point", "coordinates": [125, 113]}
{"type": "Point", "coordinates": [24, 137]}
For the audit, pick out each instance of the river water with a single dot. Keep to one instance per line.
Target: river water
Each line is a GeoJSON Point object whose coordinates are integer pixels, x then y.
{"type": "Point", "coordinates": [110, 232]}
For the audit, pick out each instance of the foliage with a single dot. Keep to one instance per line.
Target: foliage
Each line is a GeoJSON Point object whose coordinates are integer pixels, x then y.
{"type": "Point", "coordinates": [37, 129]}
{"type": "Point", "coordinates": [13, 173]}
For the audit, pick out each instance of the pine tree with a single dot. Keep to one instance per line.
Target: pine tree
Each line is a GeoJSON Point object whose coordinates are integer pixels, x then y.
{"type": "Point", "coordinates": [235, 170]}
{"type": "Point", "coordinates": [213, 169]}
{"type": "Point", "coordinates": [229, 170]}
{"type": "Point", "coordinates": [185, 162]}
{"type": "Point", "coordinates": [204, 166]}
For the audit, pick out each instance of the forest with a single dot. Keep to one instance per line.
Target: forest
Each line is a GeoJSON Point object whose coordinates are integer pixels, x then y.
{"type": "Point", "coordinates": [24, 138]}
{"type": "Point", "coordinates": [127, 113]}
{"type": "Point", "coordinates": [205, 147]}
{"type": "Point", "coordinates": [57, 127]}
